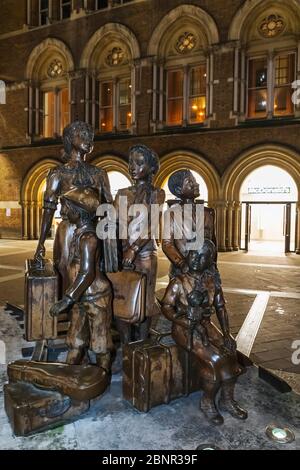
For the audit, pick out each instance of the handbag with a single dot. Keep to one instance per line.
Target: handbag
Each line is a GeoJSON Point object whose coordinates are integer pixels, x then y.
{"type": "Point", "coordinates": [129, 295]}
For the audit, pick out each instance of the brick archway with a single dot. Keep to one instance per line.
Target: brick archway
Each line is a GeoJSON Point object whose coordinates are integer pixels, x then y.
{"type": "Point", "coordinates": [235, 175]}
{"type": "Point", "coordinates": [32, 197]}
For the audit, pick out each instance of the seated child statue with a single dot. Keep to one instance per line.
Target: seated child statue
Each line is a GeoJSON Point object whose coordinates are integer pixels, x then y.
{"type": "Point", "coordinates": [89, 295]}
{"type": "Point", "coordinates": [189, 302]}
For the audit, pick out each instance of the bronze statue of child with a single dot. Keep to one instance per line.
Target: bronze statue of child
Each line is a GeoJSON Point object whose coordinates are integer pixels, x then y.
{"type": "Point", "coordinates": [189, 302]}
{"type": "Point", "coordinates": [89, 294]}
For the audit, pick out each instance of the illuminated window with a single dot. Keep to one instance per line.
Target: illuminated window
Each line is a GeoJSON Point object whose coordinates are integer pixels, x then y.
{"type": "Point", "coordinates": [284, 76]}
{"type": "Point", "coordinates": [66, 9]}
{"type": "Point", "coordinates": [44, 12]}
{"type": "Point", "coordinates": [49, 113]}
{"type": "Point", "coordinates": [197, 94]}
{"type": "Point", "coordinates": [258, 88]}
{"type": "Point", "coordinates": [56, 114]}
{"type": "Point", "coordinates": [271, 93]}
{"type": "Point", "coordinates": [175, 97]}
{"type": "Point", "coordinates": [106, 108]}
{"type": "Point", "coordinates": [124, 104]}
{"type": "Point", "coordinates": [115, 105]}
{"type": "Point", "coordinates": [194, 81]}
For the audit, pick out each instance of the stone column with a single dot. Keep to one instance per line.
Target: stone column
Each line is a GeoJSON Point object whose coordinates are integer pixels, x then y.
{"type": "Point", "coordinates": [297, 88]}
{"type": "Point", "coordinates": [270, 110]}
{"type": "Point", "coordinates": [133, 98]}
{"type": "Point", "coordinates": [32, 211]}
{"type": "Point", "coordinates": [115, 104]}
{"type": "Point", "coordinates": [221, 210]}
{"type": "Point", "coordinates": [207, 86]}
{"type": "Point", "coordinates": [185, 95]}
{"type": "Point", "coordinates": [25, 206]}
{"type": "Point", "coordinates": [29, 12]}
{"type": "Point", "coordinates": [229, 226]}
{"type": "Point", "coordinates": [298, 230]}
{"type": "Point", "coordinates": [154, 95]}
{"type": "Point", "coordinates": [161, 96]}
{"type": "Point", "coordinates": [243, 84]}
{"type": "Point", "coordinates": [211, 84]}
{"type": "Point", "coordinates": [236, 226]}
{"type": "Point", "coordinates": [236, 79]}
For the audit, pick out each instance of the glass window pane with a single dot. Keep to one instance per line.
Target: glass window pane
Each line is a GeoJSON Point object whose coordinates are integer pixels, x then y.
{"type": "Point", "coordinates": [198, 80]}
{"type": "Point", "coordinates": [258, 73]}
{"type": "Point", "coordinates": [124, 92]}
{"type": "Point", "coordinates": [64, 109]}
{"type": "Point", "coordinates": [283, 104]}
{"type": "Point", "coordinates": [106, 107]}
{"type": "Point", "coordinates": [284, 76]}
{"type": "Point", "coordinates": [174, 112]}
{"type": "Point", "coordinates": [124, 118]}
{"type": "Point", "coordinates": [257, 103]}
{"type": "Point", "coordinates": [285, 69]}
{"type": "Point", "coordinates": [175, 84]}
{"type": "Point", "coordinates": [106, 120]}
{"type": "Point", "coordinates": [49, 112]}
{"type": "Point", "coordinates": [197, 109]}
{"type": "Point", "coordinates": [106, 94]}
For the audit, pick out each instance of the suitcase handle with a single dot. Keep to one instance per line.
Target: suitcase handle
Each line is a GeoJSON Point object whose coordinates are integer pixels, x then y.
{"type": "Point", "coordinates": [157, 335]}
{"type": "Point", "coordinates": [56, 409]}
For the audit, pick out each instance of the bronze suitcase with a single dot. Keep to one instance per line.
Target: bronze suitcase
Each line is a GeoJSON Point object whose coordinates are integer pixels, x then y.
{"type": "Point", "coordinates": [41, 292]}
{"type": "Point", "coordinates": [78, 382]}
{"type": "Point", "coordinates": [30, 409]}
{"type": "Point", "coordinates": [129, 295]}
{"type": "Point", "coordinates": [156, 372]}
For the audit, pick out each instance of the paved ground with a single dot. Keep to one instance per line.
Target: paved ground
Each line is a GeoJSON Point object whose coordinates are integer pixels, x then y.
{"type": "Point", "coordinates": [263, 296]}
{"type": "Point", "coordinates": [112, 423]}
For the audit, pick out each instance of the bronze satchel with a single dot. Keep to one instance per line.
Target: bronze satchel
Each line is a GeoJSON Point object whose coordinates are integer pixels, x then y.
{"type": "Point", "coordinates": [129, 288]}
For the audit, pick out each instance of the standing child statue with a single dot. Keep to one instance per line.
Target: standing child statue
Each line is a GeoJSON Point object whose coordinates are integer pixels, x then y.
{"type": "Point", "coordinates": [75, 173]}
{"type": "Point", "coordinates": [192, 330]}
{"type": "Point", "coordinates": [89, 294]}
{"type": "Point", "coordinates": [140, 253]}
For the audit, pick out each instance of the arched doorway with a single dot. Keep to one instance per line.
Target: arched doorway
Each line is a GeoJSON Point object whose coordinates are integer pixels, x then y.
{"type": "Point", "coordinates": [32, 192]}
{"type": "Point", "coordinates": [277, 156]}
{"type": "Point", "coordinates": [269, 198]}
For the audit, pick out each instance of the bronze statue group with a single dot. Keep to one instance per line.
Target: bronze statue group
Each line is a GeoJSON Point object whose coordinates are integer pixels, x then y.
{"type": "Point", "coordinates": [88, 290]}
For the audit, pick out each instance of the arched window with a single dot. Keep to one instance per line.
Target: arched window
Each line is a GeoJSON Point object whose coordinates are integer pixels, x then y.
{"type": "Point", "coordinates": [49, 103]}
{"type": "Point", "coordinates": [109, 60]}
{"type": "Point", "coordinates": [267, 57]}
{"type": "Point", "coordinates": [183, 67]}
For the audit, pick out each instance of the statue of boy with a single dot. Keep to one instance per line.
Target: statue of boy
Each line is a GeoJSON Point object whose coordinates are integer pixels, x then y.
{"type": "Point", "coordinates": [89, 294]}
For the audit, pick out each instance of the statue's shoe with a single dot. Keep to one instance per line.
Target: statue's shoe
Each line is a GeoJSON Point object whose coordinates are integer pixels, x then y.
{"type": "Point", "coordinates": [233, 408]}
{"type": "Point", "coordinates": [212, 415]}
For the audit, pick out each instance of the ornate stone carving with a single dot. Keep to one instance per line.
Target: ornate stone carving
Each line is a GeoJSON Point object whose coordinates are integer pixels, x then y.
{"type": "Point", "coordinates": [55, 69]}
{"type": "Point", "coordinates": [272, 26]}
{"type": "Point", "coordinates": [186, 43]}
{"type": "Point", "coordinates": [116, 56]}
